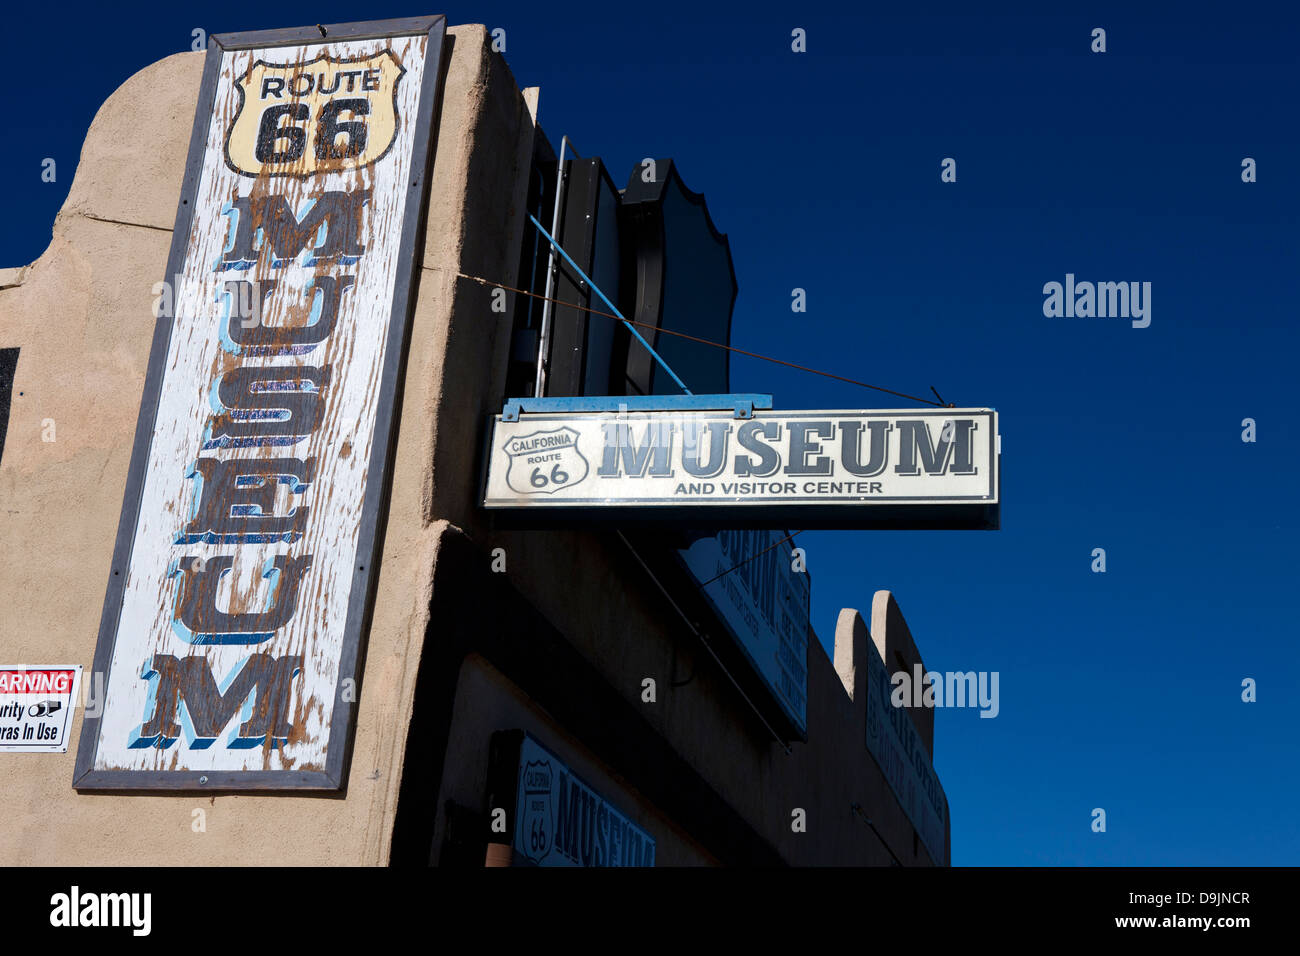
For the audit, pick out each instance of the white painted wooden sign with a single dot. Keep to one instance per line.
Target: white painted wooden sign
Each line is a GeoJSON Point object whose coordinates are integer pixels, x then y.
{"type": "Point", "coordinates": [799, 468]}
{"type": "Point", "coordinates": [238, 599]}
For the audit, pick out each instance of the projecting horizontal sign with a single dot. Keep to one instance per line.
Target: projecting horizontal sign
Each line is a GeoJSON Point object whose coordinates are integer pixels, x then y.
{"type": "Point", "coordinates": [814, 468]}
{"type": "Point", "coordinates": [245, 558]}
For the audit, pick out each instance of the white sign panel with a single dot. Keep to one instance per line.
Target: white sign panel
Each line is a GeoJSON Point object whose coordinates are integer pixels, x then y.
{"type": "Point", "coordinates": [36, 705]}
{"type": "Point", "coordinates": [894, 741]}
{"type": "Point", "coordinates": [560, 821]}
{"type": "Point", "coordinates": [239, 587]}
{"type": "Point", "coordinates": [843, 463]}
{"type": "Point", "coordinates": [748, 578]}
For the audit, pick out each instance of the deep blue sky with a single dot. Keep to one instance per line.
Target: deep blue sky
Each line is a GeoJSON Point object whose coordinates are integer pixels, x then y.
{"type": "Point", "coordinates": [1118, 690]}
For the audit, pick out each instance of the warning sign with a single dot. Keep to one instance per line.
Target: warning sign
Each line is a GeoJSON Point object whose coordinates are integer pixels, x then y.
{"type": "Point", "coordinates": [36, 705]}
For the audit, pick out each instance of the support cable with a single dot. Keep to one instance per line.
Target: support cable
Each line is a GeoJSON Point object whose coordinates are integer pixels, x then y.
{"type": "Point", "coordinates": [703, 640]}
{"type": "Point", "coordinates": [857, 808]}
{"type": "Point", "coordinates": [749, 559]}
{"type": "Point", "coordinates": [603, 298]}
{"type": "Point", "coordinates": [693, 338]}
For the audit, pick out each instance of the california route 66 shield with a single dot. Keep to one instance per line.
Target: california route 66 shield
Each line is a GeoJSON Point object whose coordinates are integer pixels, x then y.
{"type": "Point", "coordinates": [324, 115]}
{"type": "Point", "coordinates": [545, 462]}
{"type": "Point", "coordinates": [536, 819]}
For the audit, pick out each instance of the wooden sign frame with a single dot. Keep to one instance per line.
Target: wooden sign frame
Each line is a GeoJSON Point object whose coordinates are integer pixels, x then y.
{"type": "Point", "coordinates": [330, 772]}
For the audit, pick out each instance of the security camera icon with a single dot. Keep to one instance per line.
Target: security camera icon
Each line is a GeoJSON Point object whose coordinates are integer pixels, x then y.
{"type": "Point", "coordinates": [45, 708]}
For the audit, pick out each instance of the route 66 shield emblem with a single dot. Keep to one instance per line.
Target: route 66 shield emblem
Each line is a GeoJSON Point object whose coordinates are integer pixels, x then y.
{"type": "Point", "coordinates": [544, 462]}
{"type": "Point", "coordinates": [536, 821]}
{"type": "Point", "coordinates": [324, 115]}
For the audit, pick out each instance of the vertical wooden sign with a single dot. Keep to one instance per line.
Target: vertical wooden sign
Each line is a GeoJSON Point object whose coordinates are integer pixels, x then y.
{"type": "Point", "coordinates": [245, 561]}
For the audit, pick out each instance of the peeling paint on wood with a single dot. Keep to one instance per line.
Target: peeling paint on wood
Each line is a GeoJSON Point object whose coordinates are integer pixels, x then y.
{"type": "Point", "coordinates": [233, 650]}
